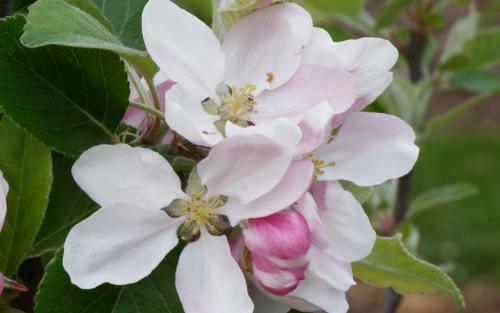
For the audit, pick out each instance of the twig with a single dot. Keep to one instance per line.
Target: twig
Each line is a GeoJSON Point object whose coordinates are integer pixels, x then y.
{"type": "Point", "coordinates": [414, 54]}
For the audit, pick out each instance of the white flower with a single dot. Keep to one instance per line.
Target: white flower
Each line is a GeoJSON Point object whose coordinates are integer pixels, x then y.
{"type": "Point", "coordinates": [244, 176]}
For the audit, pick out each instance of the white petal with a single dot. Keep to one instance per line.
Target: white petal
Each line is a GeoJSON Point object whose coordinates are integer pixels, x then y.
{"type": "Point", "coordinates": [347, 227]}
{"type": "Point", "coordinates": [369, 149]}
{"type": "Point", "coordinates": [294, 184]}
{"type": "Point", "coordinates": [185, 49]}
{"type": "Point", "coordinates": [4, 189]}
{"type": "Point", "coordinates": [319, 293]}
{"type": "Point", "coordinates": [265, 48]}
{"type": "Point", "coordinates": [337, 273]}
{"type": "Point", "coordinates": [281, 131]}
{"type": "Point", "coordinates": [186, 116]}
{"type": "Point", "coordinates": [308, 208]}
{"type": "Point", "coordinates": [209, 280]}
{"type": "Point", "coordinates": [315, 128]}
{"type": "Point", "coordinates": [368, 59]}
{"type": "Point", "coordinates": [118, 244]}
{"type": "Point", "coordinates": [120, 173]}
{"type": "Point", "coordinates": [311, 85]}
{"type": "Point", "coordinates": [244, 168]}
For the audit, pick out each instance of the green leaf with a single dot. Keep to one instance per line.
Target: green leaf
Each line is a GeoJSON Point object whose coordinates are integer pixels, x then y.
{"type": "Point", "coordinates": [125, 16]}
{"type": "Point", "coordinates": [461, 32]}
{"type": "Point", "coordinates": [360, 193]}
{"type": "Point", "coordinates": [390, 12]}
{"type": "Point", "coordinates": [153, 294]}
{"type": "Point", "coordinates": [60, 23]}
{"type": "Point", "coordinates": [476, 80]}
{"type": "Point", "coordinates": [68, 205]}
{"type": "Point", "coordinates": [228, 13]}
{"type": "Point", "coordinates": [445, 118]}
{"type": "Point", "coordinates": [69, 98]}
{"type": "Point", "coordinates": [18, 5]}
{"type": "Point", "coordinates": [406, 100]}
{"type": "Point", "coordinates": [439, 196]}
{"type": "Point", "coordinates": [484, 49]}
{"type": "Point", "coordinates": [324, 8]}
{"type": "Point", "coordinates": [182, 164]}
{"type": "Point", "coordinates": [480, 51]}
{"type": "Point", "coordinates": [391, 265]}
{"type": "Point", "coordinates": [433, 19]}
{"type": "Point", "coordinates": [27, 167]}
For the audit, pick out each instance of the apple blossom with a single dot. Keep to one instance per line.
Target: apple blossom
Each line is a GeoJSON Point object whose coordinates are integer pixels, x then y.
{"type": "Point", "coordinates": [143, 209]}
{"type": "Point", "coordinates": [256, 75]}
{"type": "Point", "coordinates": [311, 270]}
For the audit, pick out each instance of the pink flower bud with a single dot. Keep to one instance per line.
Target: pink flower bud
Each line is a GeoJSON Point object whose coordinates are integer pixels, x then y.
{"type": "Point", "coordinates": [278, 244]}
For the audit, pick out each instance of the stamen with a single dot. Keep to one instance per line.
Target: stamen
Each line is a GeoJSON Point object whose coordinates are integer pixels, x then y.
{"type": "Point", "coordinates": [318, 165]}
{"type": "Point", "coordinates": [199, 211]}
{"type": "Point", "coordinates": [238, 104]}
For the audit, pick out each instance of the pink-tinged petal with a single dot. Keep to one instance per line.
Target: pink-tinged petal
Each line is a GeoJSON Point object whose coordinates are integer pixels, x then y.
{"type": "Point", "coordinates": [337, 273]}
{"type": "Point", "coordinates": [265, 48]}
{"type": "Point", "coordinates": [263, 302]}
{"type": "Point", "coordinates": [320, 50]}
{"type": "Point", "coordinates": [311, 85]}
{"type": "Point", "coordinates": [318, 191]}
{"type": "Point", "coordinates": [162, 85]}
{"type": "Point", "coordinates": [369, 149]}
{"type": "Point", "coordinates": [135, 118]}
{"type": "Point", "coordinates": [274, 279]}
{"type": "Point", "coordinates": [120, 173]}
{"type": "Point", "coordinates": [185, 49]}
{"type": "Point", "coordinates": [317, 292]}
{"type": "Point", "coordinates": [294, 184]}
{"type": "Point", "coordinates": [368, 59]}
{"type": "Point", "coordinates": [118, 244]}
{"type": "Point", "coordinates": [316, 127]}
{"type": "Point", "coordinates": [208, 279]}
{"type": "Point", "coordinates": [4, 190]}
{"type": "Point", "coordinates": [283, 235]}
{"type": "Point", "coordinates": [308, 209]}
{"type": "Point", "coordinates": [281, 131]}
{"type": "Point", "coordinates": [244, 168]}
{"type": "Point", "coordinates": [348, 228]}
{"type": "Point", "coordinates": [186, 116]}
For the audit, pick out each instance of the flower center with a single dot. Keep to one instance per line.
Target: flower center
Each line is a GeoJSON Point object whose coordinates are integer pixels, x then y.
{"type": "Point", "coordinates": [238, 103]}
{"type": "Point", "coordinates": [237, 106]}
{"type": "Point", "coordinates": [318, 165]}
{"type": "Point", "coordinates": [199, 211]}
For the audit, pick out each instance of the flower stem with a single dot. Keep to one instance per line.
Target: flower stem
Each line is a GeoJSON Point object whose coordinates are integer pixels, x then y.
{"type": "Point", "coordinates": [136, 80]}
{"type": "Point", "coordinates": [154, 92]}
{"type": "Point", "coordinates": [148, 109]}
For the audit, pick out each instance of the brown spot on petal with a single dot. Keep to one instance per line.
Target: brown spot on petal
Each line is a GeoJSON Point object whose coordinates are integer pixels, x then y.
{"type": "Point", "coordinates": [270, 77]}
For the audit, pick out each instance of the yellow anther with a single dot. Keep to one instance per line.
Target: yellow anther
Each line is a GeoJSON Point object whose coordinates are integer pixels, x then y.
{"type": "Point", "coordinates": [318, 165]}
{"type": "Point", "coordinates": [238, 103]}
